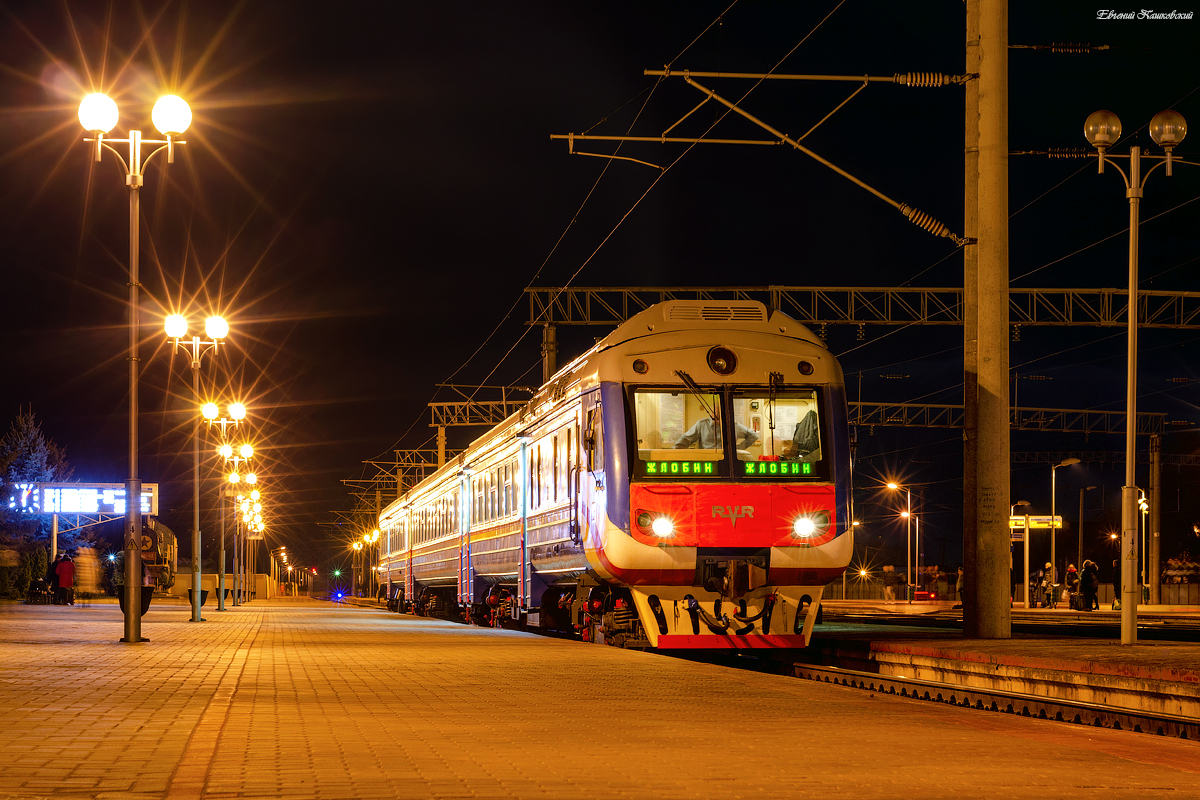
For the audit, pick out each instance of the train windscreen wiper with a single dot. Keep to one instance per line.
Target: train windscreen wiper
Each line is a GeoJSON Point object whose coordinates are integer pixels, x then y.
{"type": "Point", "coordinates": [697, 392]}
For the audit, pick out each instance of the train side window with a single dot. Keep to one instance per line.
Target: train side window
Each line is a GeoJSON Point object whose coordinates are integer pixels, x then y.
{"type": "Point", "coordinates": [593, 440]}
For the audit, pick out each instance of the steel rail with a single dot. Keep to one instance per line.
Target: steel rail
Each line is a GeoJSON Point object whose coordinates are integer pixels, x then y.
{"type": "Point", "coordinates": [1025, 705]}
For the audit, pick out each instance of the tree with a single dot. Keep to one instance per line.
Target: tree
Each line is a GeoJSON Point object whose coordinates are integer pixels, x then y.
{"type": "Point", "coordinates": [27, 456]}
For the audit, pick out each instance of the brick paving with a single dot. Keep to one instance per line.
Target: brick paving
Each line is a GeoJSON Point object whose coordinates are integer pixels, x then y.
{"type": "Point", "coordinates": [299, 699]}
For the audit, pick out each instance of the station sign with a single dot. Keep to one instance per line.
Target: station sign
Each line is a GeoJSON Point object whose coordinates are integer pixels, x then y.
{"type": "Point", "coordinates": [1016, 525]}
{"type": "Point", "coordinates": [91, 498]}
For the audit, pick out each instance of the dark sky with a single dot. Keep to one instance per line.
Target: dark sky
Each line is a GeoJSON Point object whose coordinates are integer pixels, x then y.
{"type": "Point", "coordinates": [368, 187]}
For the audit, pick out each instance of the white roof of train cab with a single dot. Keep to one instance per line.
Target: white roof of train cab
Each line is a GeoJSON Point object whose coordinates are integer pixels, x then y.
{"type": "Point", "coordinates": [732, 315]}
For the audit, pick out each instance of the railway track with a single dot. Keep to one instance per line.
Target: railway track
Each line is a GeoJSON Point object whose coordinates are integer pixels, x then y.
{"type": "Point", "coordinates": [1025, 705]}
{"type": "Point", "coordinates": [1166, 629]}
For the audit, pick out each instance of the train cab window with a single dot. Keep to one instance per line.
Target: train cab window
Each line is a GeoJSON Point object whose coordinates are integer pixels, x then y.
{"type": "Point", "coordinates": [679, 433]}
{"type": "Point", "coordinates": [786, 431]}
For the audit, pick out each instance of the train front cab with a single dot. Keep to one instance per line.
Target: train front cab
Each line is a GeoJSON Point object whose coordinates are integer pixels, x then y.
{"type": "Point", "coordinates": [725, 538]}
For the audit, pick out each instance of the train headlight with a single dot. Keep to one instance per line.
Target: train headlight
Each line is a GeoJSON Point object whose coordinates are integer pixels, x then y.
{"type": "Point", "coordinates": [808, 527]}
{"type": "Point", "coordinates": [663, 527]}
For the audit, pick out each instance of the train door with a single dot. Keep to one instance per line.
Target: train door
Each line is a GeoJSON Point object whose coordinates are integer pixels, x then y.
{"type": "Point", "coordinates": [462, 521]}
{"type": "Point", "coordinates": [574, 451]}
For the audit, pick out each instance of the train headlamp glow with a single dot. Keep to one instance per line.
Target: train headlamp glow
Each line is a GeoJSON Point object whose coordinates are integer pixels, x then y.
{"type": "Point", "coordinates": [663, 527]}
{"type": "Point", "coordinates": [803, 527]}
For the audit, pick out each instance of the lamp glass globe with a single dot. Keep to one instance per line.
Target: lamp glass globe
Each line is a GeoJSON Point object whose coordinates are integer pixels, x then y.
{"type": "Point", "coordinates": [216, 328]}
{"type": "Point", "coordinates": [254, 495]}
{"type": "Point", "coordinates": [251, 478]}
{"type": "Point", "coordinates": [237, 411]}
{"type": "Point", "coordinates": [1168, 128]}
{"type": "Point", "coordinates": [226, 451]}
{"type": "Point", "coordinates": [171, 115]}
{"type": "Point", "coordinates": [210, 411]}
{"type": "Point", "coordinates": [98, 112]}
{"type": "Point", "coordinates": [176, 326]}
{"type": "Point", "coordinates": [1102, 129]}
{"type": "Point", "coordinates": [235, 478]}
{"type": "Point", "coordinates": [247, 451]}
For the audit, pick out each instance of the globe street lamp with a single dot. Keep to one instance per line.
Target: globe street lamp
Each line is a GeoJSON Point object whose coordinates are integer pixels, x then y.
{"type": "Point", "coordinates": [1066, 462]}
{"type": "Point", "coordinates": [1102, 130]}
{"type": "Point", "coordinates": [907, 514]}
{"type": "Point", "coordinates": [98, 114]}
{"type": "Point", "coordinates": [237, 413]}
{"type": "Point", "coordinates": [216, 329]}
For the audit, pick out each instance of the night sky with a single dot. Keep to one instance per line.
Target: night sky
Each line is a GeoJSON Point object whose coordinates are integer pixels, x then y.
{"type": "Point", "coordinates": [367, 188]}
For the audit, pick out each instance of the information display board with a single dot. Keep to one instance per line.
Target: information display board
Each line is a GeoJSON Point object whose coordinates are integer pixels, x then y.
{"type": "Point", "coordinates": [1016, 525]}
{"type": "Point", "coordinates": [91, 498]}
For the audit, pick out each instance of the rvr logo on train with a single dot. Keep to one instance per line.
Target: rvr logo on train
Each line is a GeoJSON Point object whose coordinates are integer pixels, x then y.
{"type": "Point", "coordinates": [733, 513]}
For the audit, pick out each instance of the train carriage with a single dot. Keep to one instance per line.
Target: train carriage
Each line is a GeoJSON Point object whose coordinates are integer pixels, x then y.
{"type": "Point", "coordinates": [683, 484]}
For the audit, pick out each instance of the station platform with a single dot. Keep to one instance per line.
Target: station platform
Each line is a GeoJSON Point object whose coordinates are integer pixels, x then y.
{"type": "Point", "coordinates": [1153, 676]}
{"type": "Point", "coordinates": [304, 700]}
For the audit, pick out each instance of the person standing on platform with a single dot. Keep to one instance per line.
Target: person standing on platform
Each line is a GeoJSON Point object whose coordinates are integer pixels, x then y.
{"type": "Point", "coordinates": [1072, 582]}
{"type": "Point", "coordinates": [66, 581]}
{"type": "Point", "coordinates": [889, 585]}
{"type": "Point", "coordinates": [52, 577]}
{"type": "Point", "coordinates": [1089, 584]}
{"type": "Point", "coordinates": [958, 588]}
{"type": "Point", "coordinates": [1116, 582]}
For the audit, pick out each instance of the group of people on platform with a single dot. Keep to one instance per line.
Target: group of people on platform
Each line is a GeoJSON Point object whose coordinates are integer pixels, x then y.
{"type": "Point", "coordinates": [61, 578]}
{"type": "Point", "coordinates": [1080, 589]}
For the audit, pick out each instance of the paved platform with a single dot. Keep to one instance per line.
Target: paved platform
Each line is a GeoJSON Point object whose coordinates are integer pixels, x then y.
{"type": "Point", "coordinates": [300, 699]}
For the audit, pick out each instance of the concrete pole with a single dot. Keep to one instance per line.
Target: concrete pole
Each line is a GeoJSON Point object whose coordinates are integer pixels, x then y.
{"type": "Point", "coordinates": [549, 352]}
{"type": "Point", "coordinates": [1154, 555]}
{"type": "Point", "coordinates": [970, 317]}
{"type": "Point", "coordinates": [1129, 507]}
{"type": "Point", "coordinates": [992, 613]}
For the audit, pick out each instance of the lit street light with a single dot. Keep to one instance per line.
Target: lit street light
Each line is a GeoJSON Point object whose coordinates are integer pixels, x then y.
{"type": "Point", "coordinates": [216, 329]}
{"type": "Point", "coordinates": [1103, 130]}
{"type": "Point", "coordinates": [1066, 462]}
{"type": "Point", "coordinates": [907, 514]}
{"type": "Point", "coordinates": [212, 413]}
{"type": "Point", "coordinates": [98, 114]}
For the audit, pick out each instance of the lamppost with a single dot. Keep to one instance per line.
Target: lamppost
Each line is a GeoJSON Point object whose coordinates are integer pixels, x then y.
{"type": "Point", "coordinates": [354, 569]}
{"type": "Point", "coordinates": [1079, 562]}
{"type": "Point", "coordinates": [235, 479]}
{"type": "Point", "coordinates": [216, 329]}
{"type": "Point", "coordinates": [1025, 546]}
{"type": "Point", "coordinates": [1102, 130]}
{"type": "Point", "coordinates": [1144, 507]}
{"type": "Point", "coordinates": [1066, 462]}
{"type": "Point", "coordinates": [237, 412]}
{"type": "Point", "coordinates": [171, 116]}
{"type": "Point", "coordinates": [907, 514]}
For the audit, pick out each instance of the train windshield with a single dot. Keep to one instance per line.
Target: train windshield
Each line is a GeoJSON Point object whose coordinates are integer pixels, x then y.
{"type": "Point", "coordinates": [786, 432]}
{"type": "Point", "coordinates": [679, 432]}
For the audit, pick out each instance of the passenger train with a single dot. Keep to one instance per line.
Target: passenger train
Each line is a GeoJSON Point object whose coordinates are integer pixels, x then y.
{"type": "Point", "coordinates": [685, 483]}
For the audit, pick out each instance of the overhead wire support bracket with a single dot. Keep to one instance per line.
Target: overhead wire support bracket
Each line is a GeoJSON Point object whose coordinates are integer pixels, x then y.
{"type": "Point", "coordinates": [924, 80]}
{"type": "Point", "coordinates": [918, 218]}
